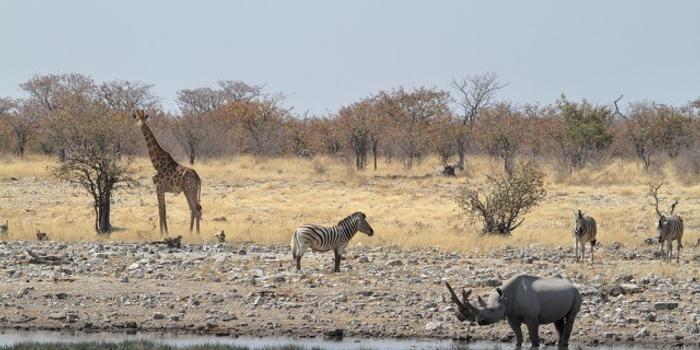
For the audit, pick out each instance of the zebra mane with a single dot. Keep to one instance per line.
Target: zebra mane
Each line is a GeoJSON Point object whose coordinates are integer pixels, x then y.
{"type": "Point", "coordinates": [352, 218]}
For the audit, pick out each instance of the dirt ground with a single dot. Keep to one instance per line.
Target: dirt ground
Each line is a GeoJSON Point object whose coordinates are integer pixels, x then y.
{"type": "Point", "coordinates": [249, 289]}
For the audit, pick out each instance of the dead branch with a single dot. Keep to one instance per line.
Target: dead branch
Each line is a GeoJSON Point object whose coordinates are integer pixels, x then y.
{"type": "Point", "coordinates": [654, 190]}
{"type": "Point", "coordinates": [617, 109]}
{"type": "Point", "coordinates": [35, 258]}
{"type": "Point", "coordinates": [174, 242]}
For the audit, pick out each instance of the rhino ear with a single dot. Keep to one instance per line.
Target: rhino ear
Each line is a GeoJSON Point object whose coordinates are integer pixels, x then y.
{"type": "Point", "coordinates": [500, 293]}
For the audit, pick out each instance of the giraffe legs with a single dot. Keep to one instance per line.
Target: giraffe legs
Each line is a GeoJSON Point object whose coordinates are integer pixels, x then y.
{"type": "Point", "coordinates": [195, 210]}
{"type": "Point", "coordinates": [161, 212]}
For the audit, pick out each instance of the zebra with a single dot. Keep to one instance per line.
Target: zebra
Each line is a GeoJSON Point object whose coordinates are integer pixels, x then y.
{"type": "Point", "coordinates": [5, 228]}
{"type": "Point", "coordinates": [585, 231]}
{"type": "Point", "coordinates": [324, 238]}
{"type": "Point", "coordinates": [669, 228]}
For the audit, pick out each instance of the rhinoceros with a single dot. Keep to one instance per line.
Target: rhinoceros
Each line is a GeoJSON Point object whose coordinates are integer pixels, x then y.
{"type": "Point", "coordinates": [526, 299]}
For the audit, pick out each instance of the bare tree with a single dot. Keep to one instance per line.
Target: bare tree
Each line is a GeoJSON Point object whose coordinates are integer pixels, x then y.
{"type": "Point", "coordinates": [24, 122]}
{"type": "Point", "coordinates": [412, 114]}
{"type": "Point", "coordinates": [501, 133]}
{"type": "Point", "coordinates": [261, 122]}
{"type": "Point", "coordinates": [52, 91]}
{"type": "Point", "coordinates": [652, 128]}
{"type": "Point", "coordinates": [127, 96]}
{"type": "Point", "coordinates": [355, 123]}
{"type": "Point", "coordinates": [93, 160]}
{"type": "Point", "coordinates": [475, 92]}
{"type": "Point", "coordinates": [236, 90]}
{"type": "Point", "coordinates": [190, 133]}
{"type": "Point", "coordinates": [207, 100]}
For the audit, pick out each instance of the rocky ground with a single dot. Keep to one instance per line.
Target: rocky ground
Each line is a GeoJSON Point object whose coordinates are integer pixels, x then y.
{"type": "Point", "coordinates": [248, 289]}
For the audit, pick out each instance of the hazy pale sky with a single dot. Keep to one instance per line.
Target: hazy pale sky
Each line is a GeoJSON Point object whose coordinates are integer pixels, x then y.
{"type": "Point", "coordinates": [324, 54]}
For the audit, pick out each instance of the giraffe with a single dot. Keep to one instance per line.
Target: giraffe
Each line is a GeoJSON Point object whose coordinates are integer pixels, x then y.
{"type": "Point", "coordinates": [171, 177]}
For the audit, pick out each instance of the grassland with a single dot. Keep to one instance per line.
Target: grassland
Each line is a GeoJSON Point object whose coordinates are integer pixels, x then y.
{"type": "Point", "coordinates": [263, 200]}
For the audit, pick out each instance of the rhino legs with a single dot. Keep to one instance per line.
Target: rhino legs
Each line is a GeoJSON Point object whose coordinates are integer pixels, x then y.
{"type": "Point", "coordinates": [560, 326]}
{"type": "Point", "coordinates": [568, 327]}
{"type": "Point", "coordinates": [568, 323]}
{"type": "Point", "coordinates": [515, 326]}
{"type": "Point", "coordinates": [533, 328]}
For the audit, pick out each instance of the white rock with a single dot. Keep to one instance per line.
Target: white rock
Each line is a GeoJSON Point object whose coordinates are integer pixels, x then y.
{"type": "Point", "coordinates": [432, 326]}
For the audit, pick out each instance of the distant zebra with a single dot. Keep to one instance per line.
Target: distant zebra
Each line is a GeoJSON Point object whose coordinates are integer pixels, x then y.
{"type": "Point", "coordinates": [5, 228]}
{"type": "Point", "coordinates": [669, 228]}
{"type": "Point", "coordinates": [585, 231]}
{"type": "Point", "coordinates": [324, 238]}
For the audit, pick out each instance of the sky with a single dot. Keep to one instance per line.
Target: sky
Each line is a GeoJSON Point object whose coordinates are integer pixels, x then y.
{"type": "Point", "coordinates": [326, 54]}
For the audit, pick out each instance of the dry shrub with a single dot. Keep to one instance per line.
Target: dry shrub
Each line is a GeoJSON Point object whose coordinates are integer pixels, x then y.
{"type": "Point", "coordinates": [505, 199]}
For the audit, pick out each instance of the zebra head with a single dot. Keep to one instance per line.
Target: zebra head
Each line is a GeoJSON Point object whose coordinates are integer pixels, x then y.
{"type": "Point", "coordinates": [362, 224]}
{"type": "Point", "coordinates": [578, 214]}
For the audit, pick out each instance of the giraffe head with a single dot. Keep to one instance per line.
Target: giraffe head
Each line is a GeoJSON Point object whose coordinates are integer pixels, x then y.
{"type": "Point", "coordinates": [140, 117]}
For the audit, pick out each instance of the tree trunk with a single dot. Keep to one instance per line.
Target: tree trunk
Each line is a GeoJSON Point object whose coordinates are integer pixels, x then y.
{"type": "Point", "coordinates": [102, 210]}
{"type": "Point", "coordinates": [374, 155]}
{"type": "Point", "coordinates": [460, 151]}
{"type": "Point", "coordinates": [508, 165]}
{"type": "Point", "coordinates": [62, 154]}
{"type": "Point", "coordinates": [192, 156]}
{"type": "Point", "coordinates": [103, 222]}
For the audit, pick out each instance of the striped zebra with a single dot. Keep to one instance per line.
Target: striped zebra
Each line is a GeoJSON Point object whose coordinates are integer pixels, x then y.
{"type": "Point", "coordinates": [585, 231]}
{"type": "Point", "coordinates": [324, 238]}
{"type": "Point", "coordinates": [669, 228]}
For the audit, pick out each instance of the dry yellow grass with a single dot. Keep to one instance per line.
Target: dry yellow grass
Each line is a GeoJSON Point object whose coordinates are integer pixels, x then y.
{"type": "Point", "coordinates": [265, 199]}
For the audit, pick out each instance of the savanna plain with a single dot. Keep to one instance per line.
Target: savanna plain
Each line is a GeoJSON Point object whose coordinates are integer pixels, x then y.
{"type": "Point", "coordinates": [390, 284]}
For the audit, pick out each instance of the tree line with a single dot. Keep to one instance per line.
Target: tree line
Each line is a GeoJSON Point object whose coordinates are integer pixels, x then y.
{"type": "Point", "coordinates": [404, 124]}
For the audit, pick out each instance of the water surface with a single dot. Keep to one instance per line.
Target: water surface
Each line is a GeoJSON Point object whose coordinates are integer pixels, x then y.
{"type": "Point", "coordinates": [13, 337]}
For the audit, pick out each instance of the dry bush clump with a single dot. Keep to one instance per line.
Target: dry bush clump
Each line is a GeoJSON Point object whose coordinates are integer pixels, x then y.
{"type": "Point", "coordinates": [503, 201]}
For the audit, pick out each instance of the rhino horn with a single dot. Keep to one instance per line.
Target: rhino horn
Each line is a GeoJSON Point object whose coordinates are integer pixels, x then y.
{"type": "Point", "coordinates": [465, 310]}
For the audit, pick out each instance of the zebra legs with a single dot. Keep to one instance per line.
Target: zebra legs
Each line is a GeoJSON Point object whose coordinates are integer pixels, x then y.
{"type": "Point", "coordinates": [298, 260]}
{"type": "Point", "coordinates": [583, 252]}
{"type": "Point", "coordinates": [336, 268]}
{"type": "Point", "coordinates": [678, 252]}
{"type": "Point", "coordinates": [576, 249]}
{"type": "Point", "coordinates": [592, 257]}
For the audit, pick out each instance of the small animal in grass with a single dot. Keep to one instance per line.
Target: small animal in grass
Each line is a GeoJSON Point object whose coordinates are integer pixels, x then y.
{"type": "Point", "coordinates": [324, 238]}
{"type": "Point", "coordinates": [41, 236]}
{"type": "Point", "coordinates": [585, 231]}
{"type": "Point", "coordinates": [5, 228]}
{"type": "Point", "coordinates": [175, 242]}
{"type": "Point", "coordinates": [221, 237]}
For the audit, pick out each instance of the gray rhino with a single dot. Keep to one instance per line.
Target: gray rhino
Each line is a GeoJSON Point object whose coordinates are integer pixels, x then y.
{"type": "Point", "coordinates": [526, 299]}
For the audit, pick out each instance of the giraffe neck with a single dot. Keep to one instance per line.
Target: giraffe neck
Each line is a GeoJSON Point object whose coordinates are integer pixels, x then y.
{"type": "Point", "coordinates": [159, 157]}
